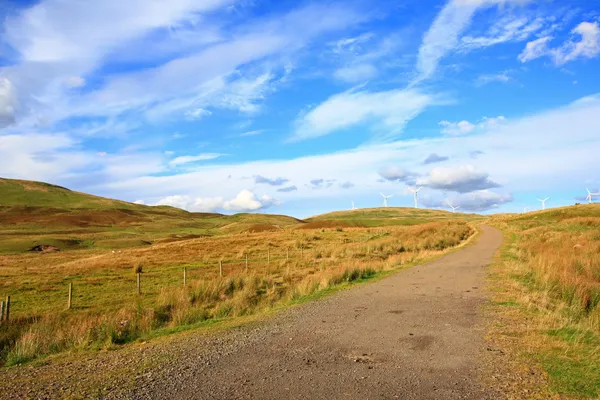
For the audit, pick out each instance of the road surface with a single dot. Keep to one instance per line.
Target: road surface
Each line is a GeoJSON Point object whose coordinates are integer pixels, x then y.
{"type": "Point", "coordinates": [413, 335]}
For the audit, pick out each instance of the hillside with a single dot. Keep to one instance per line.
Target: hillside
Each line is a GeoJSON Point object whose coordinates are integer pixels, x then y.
{"type": "Point", "coordinates": [35, 213]}
{"type": "Point", "coordinates": [386, 216]}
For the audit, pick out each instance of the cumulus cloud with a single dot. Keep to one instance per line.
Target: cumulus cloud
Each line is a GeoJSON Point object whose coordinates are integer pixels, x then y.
{"type": "Point", "coordinates": [141, 202]}
{"type": "Point", "coordinates": [244, 201]}
{"type": "Point", "coordinates": [458, 179]}
{"type": "Point", "coordinates": [434, 158]}
{"type": "Point", "coordinates": [258, 179]}
{"type": "Point", "coordinates": [586, 44]}
{"type": "Point", "coordinates": [480, 200]}
{"type": "Point", "coordinates": [389, 111]}
{"type": "Point", "coordinates": [247, 201]}
{"type": "Point", "coordinates": [287, 189]}
{"type": "Point", "coordinates": [394, 173]}
{"type": "Point", "coordinates": [190, 159]}
{"type": "Point", "coordinates": [465, 127]}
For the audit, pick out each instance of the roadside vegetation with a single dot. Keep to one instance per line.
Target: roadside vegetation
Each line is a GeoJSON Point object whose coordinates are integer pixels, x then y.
{"type": "Point", "coordinates": [547, 294]}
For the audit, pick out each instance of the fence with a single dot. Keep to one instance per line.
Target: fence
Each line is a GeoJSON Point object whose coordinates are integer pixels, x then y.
{"type": "Point", "coordinates": [221, 267]}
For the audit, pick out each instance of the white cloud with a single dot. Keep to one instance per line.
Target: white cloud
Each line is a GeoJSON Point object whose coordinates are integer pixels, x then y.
{"type": "Point", "coordinates": [396, 174]}
{"type": "Point", "coordinates": [561, 143]}
{"type": "Point", "coordinates": [247, 201]}
{"type": "Point", "coordinates": [464, 127]}
{"type": "Point", "coordinates": [461, 179]}
{"type": "Point", "coordinates": [7, 103]}
{"type": "Point", "coordinates": [535, 49]}
{"type": "Point", "coordinates": [252, 133]}
{"type": "Point", "coordinates": [207, 204]}
{"type": "Point", "coordinates": [587, 46]}
{"type": "Point", "coordinates": [243, 202]}
{"type": "Point", "coordinates": [197, 113]}
{"type": "Point", "coordinates": [74, 82]}
{"type": "Point", "coordinates": [356, 73]}
{"type": "Point", "coordinates": [389, 111]}
{"type": "Point", "coordinates": [69, 30]}
{"type": "Point", "coordinates": [484, 79]}
{"type": "Point", "coordinates": [141, 202]}
{"type": "Point", "coordinates": [456, 128]}
{"type": "Point", "coordinates": [60, 39]}
{"type": "Point", "coordinates": [443, 35]}
{"type": "Point", "coordinates": [190, 159]}
{"type": "Point", "coordinates": [477, 201]}
{"type": "Point", "coordinates": [506, 29]}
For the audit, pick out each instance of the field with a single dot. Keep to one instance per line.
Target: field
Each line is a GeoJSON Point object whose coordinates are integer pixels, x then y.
{"type": "Point", "coordinates": [547, 285]}
{"type": "Point", "coordinates": [104, 243]}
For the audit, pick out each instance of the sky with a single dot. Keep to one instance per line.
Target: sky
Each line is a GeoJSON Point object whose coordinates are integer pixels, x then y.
{"type": "Point", "coordinates": [303, 107]}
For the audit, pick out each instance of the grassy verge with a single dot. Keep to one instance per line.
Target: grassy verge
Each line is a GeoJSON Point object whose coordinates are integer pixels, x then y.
{"type": "Point", "coordinates": [545, 304]}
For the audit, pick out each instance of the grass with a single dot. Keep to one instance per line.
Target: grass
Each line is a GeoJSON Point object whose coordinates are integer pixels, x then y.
{"type": "Point", "coordinates": [549, 273]}
{"type": "Point", "coordinates": [289, 261]}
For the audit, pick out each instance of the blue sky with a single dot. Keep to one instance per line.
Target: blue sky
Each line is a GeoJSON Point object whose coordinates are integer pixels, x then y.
{"type": "Point", "coordinates": [300, 107]}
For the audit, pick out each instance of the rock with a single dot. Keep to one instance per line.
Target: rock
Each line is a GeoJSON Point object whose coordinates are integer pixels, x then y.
{"type": "Point", "coordinates": [44, 248]}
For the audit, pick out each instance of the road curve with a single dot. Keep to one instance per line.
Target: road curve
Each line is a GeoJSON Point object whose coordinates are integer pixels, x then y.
{"type": "Point", "coordinates": [413, 335]}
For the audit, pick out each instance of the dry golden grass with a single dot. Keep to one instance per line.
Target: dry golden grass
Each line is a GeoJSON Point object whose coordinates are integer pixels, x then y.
{"type": "Point", "coordinates": [108, 311]}
{"type": "Point", "coordinates": [547, 288]}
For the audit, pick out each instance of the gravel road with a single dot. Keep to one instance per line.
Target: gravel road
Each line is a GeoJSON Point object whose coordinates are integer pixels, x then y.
{"type": "Point", "coordinates": [413, 335]}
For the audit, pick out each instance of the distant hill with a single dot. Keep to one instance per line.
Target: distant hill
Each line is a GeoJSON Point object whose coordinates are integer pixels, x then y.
{"type": "Point", "coordinates": [21, 193]}
{"type": "Point", "coordinates": [387, 216]}
{"type": "Point", "coordinates": [37, 213]}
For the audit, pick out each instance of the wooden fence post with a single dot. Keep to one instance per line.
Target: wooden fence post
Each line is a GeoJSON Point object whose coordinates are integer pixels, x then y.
{"type": "Point", "coordinates": [246, 261]}
{"type": "Point", "coordinates": [1, 310]}
{"type": "Point", "coordinates": [220, 268]}
{"type": "Point", "coordinates": [269, 255]}
{"type": "Point", "coordinates": [7, 308]}
{"type": "Point", "coordinates": [139, 283]}
{"type": "Point", "coordinates": [70, 300]}
{"type": "Point", "coordinates": [184, 276]}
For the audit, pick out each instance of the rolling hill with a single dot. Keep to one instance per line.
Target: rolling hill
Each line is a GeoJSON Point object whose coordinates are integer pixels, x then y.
{"type": "Point", "coordinates": [34, 213]}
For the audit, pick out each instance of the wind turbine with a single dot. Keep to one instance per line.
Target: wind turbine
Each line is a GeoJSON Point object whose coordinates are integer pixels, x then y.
{"type": "Point", "coordinates": [354, 208]}
{"type": "Point", "coordinates": [590, 194]}
{"type": "Point", "coordinates": [385, 198]}
{"type": "Point", "coordinates": [544, 202]}
{"type": "Point", "coordinates": [451, 206]}
{"type": "Point", "coordinates": [415, 191]}
{"type": "Point", "coordinates": [525, 210]}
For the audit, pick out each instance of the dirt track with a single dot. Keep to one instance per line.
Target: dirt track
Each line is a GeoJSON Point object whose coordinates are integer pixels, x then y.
{"type": "Point", "coordinates": [413, 335]}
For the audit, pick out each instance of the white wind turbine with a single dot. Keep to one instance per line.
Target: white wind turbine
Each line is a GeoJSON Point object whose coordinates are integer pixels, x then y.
{"type": "Point", "coordinates": [415, 191]}
{"type": "Point", "coordinates": [525, 209]}
{"type": "Point", "coordinates": [354, 208]}
{"type": "Point", "coordinates": [590, 194]}
{"type": "Point", "coordinates": [544, 202]}
{"type": "Point", "coordinates": [452, 207]}
{"type": "Point", "coordinates": [385, 204]}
